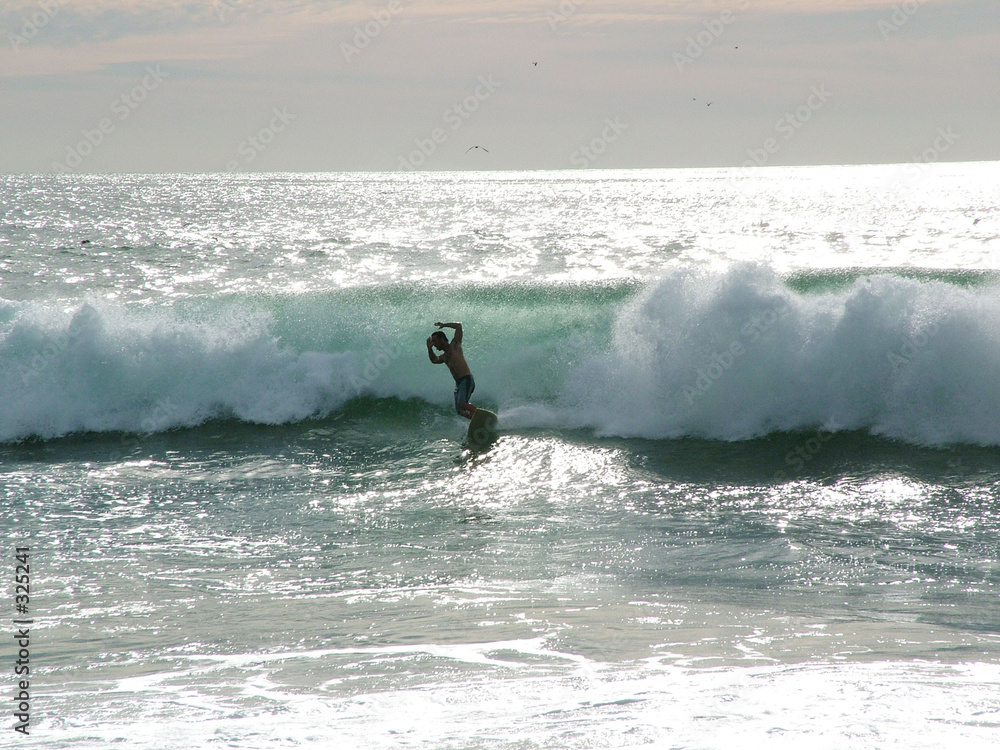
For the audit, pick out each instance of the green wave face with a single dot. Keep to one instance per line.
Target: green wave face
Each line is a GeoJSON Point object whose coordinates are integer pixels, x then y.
{"type": "Point", "coordinates": [722, 355]}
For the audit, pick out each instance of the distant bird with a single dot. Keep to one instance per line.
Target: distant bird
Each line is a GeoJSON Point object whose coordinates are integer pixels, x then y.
{"type": "Point", "coordinates": [535, 64]}
{"type": "Point", "coordinates": [709, 104]}
{"type": "Point", "coordinates": [479, 147]}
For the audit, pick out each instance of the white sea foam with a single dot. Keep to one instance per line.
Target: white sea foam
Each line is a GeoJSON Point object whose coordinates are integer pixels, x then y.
{"type": "Point", "coordinates": [738, 354]}
{"type": "Point", "coordinates": [726, 355]}
{"type": "Point", "coordinates": [100, 368]}
{"type": "Point", "coordinates": [534, 698]}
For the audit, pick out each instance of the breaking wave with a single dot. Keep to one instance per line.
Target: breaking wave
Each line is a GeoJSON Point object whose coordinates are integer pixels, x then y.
{"type": "Point", "coordinates": [724, 355]}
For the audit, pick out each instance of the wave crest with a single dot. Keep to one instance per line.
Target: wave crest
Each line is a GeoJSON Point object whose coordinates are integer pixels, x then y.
{"type": "Point", "coordinates": [724, 355]}
{"type": "Point", "coordinates": [738, 354]}
{"type": "Point", "coordinates": [100, 368]}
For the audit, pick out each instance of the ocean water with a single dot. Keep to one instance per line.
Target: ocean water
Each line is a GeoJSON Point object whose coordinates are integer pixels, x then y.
{"type": "Point", "coordinates": [746, 492]}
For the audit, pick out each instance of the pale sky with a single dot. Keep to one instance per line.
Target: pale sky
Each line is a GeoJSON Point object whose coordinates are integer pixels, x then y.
{"type": "Point", "coordinates": [333, 85]}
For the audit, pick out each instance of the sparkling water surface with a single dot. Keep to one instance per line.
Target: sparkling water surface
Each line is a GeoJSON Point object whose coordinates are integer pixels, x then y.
{"type": "Point", "coordinates": [266, 531]}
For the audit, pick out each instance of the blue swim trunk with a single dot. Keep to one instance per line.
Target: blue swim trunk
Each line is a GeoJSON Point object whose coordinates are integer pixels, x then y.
{"type": "Point", "coordinates": [463, 391]}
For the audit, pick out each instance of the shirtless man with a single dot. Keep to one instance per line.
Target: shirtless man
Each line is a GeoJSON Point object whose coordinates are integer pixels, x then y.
{"type": "Point", "coordinates": [451, 355]}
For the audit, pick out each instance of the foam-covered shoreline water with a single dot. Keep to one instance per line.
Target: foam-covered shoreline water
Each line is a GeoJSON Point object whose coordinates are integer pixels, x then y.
{"type": "Point", "coordinates": [728, 355]}
{"type": "Point", "coordinates": [521, 693]}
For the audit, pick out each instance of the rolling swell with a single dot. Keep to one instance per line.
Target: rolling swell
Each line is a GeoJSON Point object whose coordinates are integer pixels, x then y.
{"type": "Point", "coordinates": [725, 355]}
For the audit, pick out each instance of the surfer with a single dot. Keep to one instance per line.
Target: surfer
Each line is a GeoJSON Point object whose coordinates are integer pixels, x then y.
{"type": "Point", "coordinates": [451, 355]}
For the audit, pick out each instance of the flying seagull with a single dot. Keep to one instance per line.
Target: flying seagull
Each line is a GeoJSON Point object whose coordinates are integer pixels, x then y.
{"type": "Point", "coordinates": [472, 147]}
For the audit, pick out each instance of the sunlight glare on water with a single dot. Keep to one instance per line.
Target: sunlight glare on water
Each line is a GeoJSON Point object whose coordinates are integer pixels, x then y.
{"type": "Point", "coordinates": [745, 492]}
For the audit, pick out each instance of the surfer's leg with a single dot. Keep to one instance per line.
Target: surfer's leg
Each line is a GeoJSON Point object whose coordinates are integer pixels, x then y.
{"type": "Point", "coordinates": [463, 392]}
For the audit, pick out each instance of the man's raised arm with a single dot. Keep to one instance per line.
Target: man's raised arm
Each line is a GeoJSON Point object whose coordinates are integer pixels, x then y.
{"type": "Point", "coordinates": [458, 331]}
{"type": "Point", "coordinates": [430, 353]}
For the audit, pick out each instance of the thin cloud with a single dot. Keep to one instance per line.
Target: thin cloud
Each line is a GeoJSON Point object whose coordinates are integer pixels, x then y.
{"type": "Point", "coordinates": [97, 21]}
{"type": "Point", "coordinates": [101, 21]}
